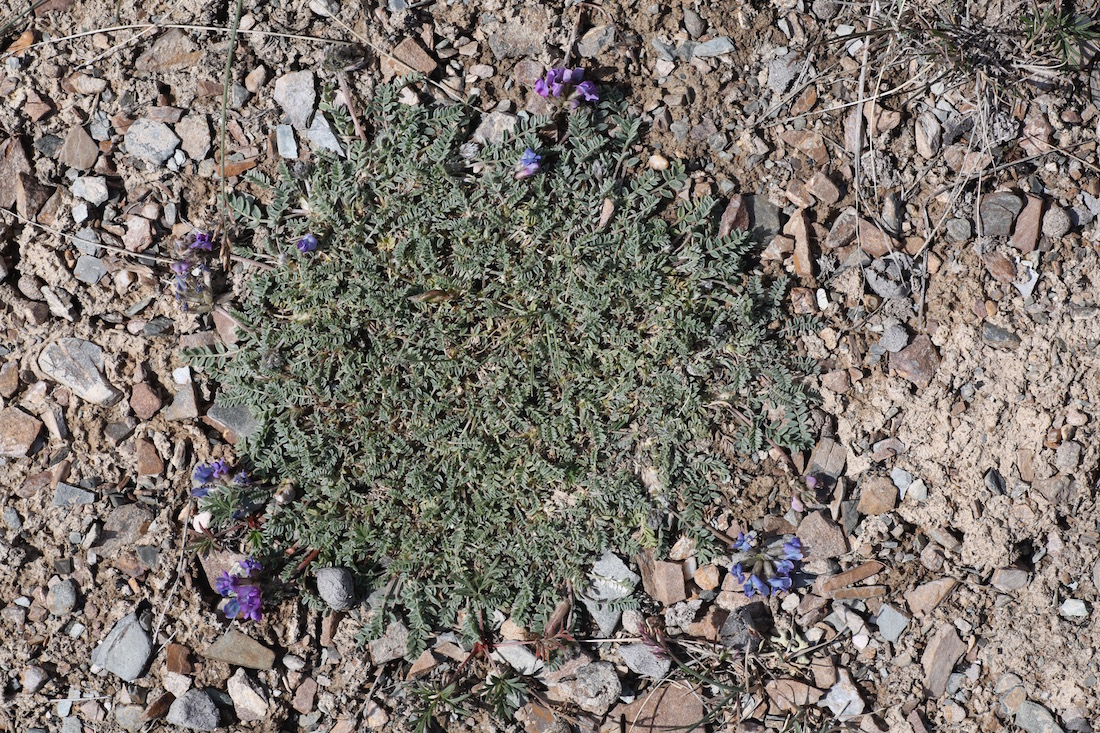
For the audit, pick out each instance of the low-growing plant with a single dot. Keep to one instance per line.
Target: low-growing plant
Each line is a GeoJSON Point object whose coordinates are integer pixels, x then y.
{"type": "Point", "coordinates": [491, 363]}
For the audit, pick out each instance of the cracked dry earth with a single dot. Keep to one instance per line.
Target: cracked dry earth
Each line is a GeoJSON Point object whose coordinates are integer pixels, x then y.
{"type": "Point", "coordinates": [947, 245]}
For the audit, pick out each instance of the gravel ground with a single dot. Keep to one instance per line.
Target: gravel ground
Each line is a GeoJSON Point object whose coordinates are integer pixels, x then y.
{"type": "Point", "coordinates": [934, 205]}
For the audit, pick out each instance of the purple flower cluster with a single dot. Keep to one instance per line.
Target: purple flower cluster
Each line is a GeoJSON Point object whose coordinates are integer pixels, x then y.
{"type": "Point", "coordinates": [567, 84]}
{"type": "Point", "coordinates": [244, 596]}
{"type": "Point", "coordinates": [308, 243]}
{"type": "Point", "coordinates": [208, 476]}
{"type": "Point", "coordinates": [191, 271]}
{"type": "Point", "coordinates": [528, 164]}
{"type": "Point", "coordinates": [765, 567]}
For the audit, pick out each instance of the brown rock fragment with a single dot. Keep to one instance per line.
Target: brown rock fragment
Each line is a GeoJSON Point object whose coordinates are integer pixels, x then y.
{"type": "Point", "coordinates": [177, 659]}
{"type": "Point", "coordinates": [9, 379]}
{"type": "Point", "coordinates": [877, 496]}
{"type": "Point", "coordinates": [821, 537]}
{"type": "Point", "coordinates": [675, 707]}
{"type": "Point", "coordinates": [413, 55]}
{"type": "Point", "coordinates": [823, 188]}
{"type": "Point", "coordinates": [874, 241]}
{"type": "Point", "coordinates": [943, 651]}
{"type": "Point", "coordinates": [664, 581]}
{"type": "Point", "coordinates": [13, 162]}
{"type": "Point", "coordinates": [305, 695]}
{"type": "Point", "coordinates": [79, 150]}
{"type": "Point", "coordinates": [735, 216]}
{"type": "Point", "coordinates": [924, 598]}
{"type": "Point", "coordinates": [790, 695]}
{"type": "Point", "coordinates": [917, 362]}
{"type": "Point", "coordinates": [809, 143]}
{"type": "Point", "coordinates": [18, 432]}
{"type": "Point", "coordinates": [30, 195]}
{"type": "Point", "coordinates": [149, 462]}
{"type": "Point", "coordinates": [1028, 225]}
{"type": "Point", "coordinates": [144, 401]}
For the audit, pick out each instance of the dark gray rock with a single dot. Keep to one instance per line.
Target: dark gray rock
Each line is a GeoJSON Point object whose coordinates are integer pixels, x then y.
{"type": "Point", "coordinates": [1034, 718]}
{"type": "Point", "coordinates": [891, 622]}
{"type": "Point", "coordinates": [336, 586]}
{"type": "Point", "coordinates": [998, 212]}
{"type": "Point", "coordinates": [998, 337]}
{"type": "Point", "coordinates": [69, 495]}
{"type": "Point", "coordinates": [195, 711]}
{"type": "Point", "coordinates": [126, 649]}
{"type": "Point", "coordinates": [89, 270]}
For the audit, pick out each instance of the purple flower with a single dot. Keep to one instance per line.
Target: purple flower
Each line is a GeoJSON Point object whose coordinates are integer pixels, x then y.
{"type": "Point", "coordinates": [528, 164]}
{"type": "Point", "coordinates": [201, 492]}
{"type": "Point", "coordinates": [219, 468]}
{"type": "Point", "coordinates": [202, 241]}
{"type": "Point", "coordinates": [180, 268]}
{"type": "Point", "coordinates": [779, 582]}
{"type": "Point", "coordinates": [226, 584]}
{"type": "Point", "coordinates": [308, 243]}
{"type": "Point", "coordinates": [792, 549]}
{"type": "Point", "coordinates": [745, 542]}
{"type": "Point", "coordinates": [248, 602]}
{"type": "Point", "coordinates": [203, 473]}
{"type": "Point", "coordinates": [241, 479]}
{"type": "Point", "coordinates": [568, 83]}
{"type": "Point", "coordinates": [756, 585]}
{"type": "Point", "coordinates": [587, 90]}
{"type": "Point", "coordinates": [251, 566]}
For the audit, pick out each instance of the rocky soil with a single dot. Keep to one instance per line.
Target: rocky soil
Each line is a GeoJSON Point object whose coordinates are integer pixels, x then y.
{"type": "Point", "coordinates": [937, 220]}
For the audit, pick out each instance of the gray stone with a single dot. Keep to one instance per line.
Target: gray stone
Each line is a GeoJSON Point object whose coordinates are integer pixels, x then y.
{"type": "Point", "coordinates": [92, 189]}
{"type": "Point", "coordinates": [195, 711]}
{"type": "Point", "coordinates": [130, 717]}
{"type": "Point", "coordinates": [519, 657]}
{"type": "Point", "coordinates": [998, 212]}
{"type": "Point", "coordinates": [284, 141]}
{"type": "Point", "coordinates": [680, 129]}
{"type": "Point", "coordinates": [693, 23]}
{"type": "Point", "coordinates": [62, 598]}
{"type": "Point", "coordinates": [642, 660]}
{"type": "Point", "coordinates": [929, 134]}
{"type": "Point", "coordinates": [901, 478]}
{"type": "Point", "coordinates": [393, 644]}
{"type": "Point", "coordinates": [713, 47]}
{"type": "Point", "coordinates": [782, 71]}
{"type": "Point", "coordinates": [521, 36]}
{"type": "Point", "coordinates": [891, 622]}
{"type": "Point", "coordinates": [894, 339]}
{"type": "Point", "coordinates": [60, 301]}
{"type": "Point", "coordinates": [71, 725]}
{"type": "Point", "coordinates": [296, 94]}
{"type": "Point", "coordinates": [595, 40]}
{"type": "Point", "coordinates": [321, 134]}
{"type": "Point", "coordinates": [150, 141]}
{"type": "Point", "coordinates": [78, 365]}
{"type": "Point", "coordinates": [236, 418]}
{"type": "Point", "coordinates": [958, 230]}
{"type": "Point", "coordinates": [1068, 456]}
{"type": "Point", "coordinates": [1056, 222]}
{"type": "Point", "coordinates": [336, 586]}
{"type": "Point", "coordinates": [825, 9]}
{"type": "Point", "coordinates": [844, 699]}
{"type": "Point", "coordinates": [611, 579]}
{"type": "Point", "coordinates": [126, 649]}
{"type": "Point", "coordinates": [69, 495]}
{"type": "Point", "coordinates": [1074, 608]}
{"type": "Point", "coordinates": [89, 270]}
{"type": "Point", "coordinates": [494, 127]}
{"type": "Point", "coordinates": [87, 241]}
{"type": "Point", "coordinates": [593, 688]}
{"type": "Point", "coordinates": [998, 337]}
{"type": "Point", "coordinates": [1034, 718]}
{"type": "Point", "coordinates": [763, 218]}
{"type": "Point", "coordinates": [12, 519]}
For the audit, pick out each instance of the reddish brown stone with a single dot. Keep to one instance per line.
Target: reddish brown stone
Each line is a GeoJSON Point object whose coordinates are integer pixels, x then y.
{"type": "Point", "coordinates": [874, 241]}
{"type": "Point", "coordinates": [144, 401]}
{"type": "Point", "coordinates": [917, 362]}
{"type": "Point", "coordinates": [18, 432]}
{"type": "Point", "coordinates": [1028, 225]}
{"type": "Point", "coordinates": [924, 598]}
{"type": "Point", "coordinates": [177, 659]}
{"type": "Point", "coordinates": [809, 143]}
{"type": "Point", "coordinates": [735, 217]}
{"type": "Point", "coordinates": [305, 695]}
{"type": "Point", "coordinates": [664, 581]}
{"type": "Point", "coordinates": [412, 54]}
{"type": "Point", "coordinates": [822, 187]}
{"type": "Point", "coordinates": [1000, 267]}
{"type": "Point", "coordinates": [878, 495]}
{"type": "Point", "coordinates": [9, 379]}
{"type": "Point", "coordinates": [159, 707]}
{"type": "Point", "coordinates": [674, 707]}
{"type": "Point", "coordinates": [822, 537]}
{"type": "Point", "coordinates": [30, 195]}
{"type": "Point", "coordinates": [149, 463]}
{"type": "Point", "coordinates": [940, 656]}
{"type": "Point", "coordinates": [13, 162]}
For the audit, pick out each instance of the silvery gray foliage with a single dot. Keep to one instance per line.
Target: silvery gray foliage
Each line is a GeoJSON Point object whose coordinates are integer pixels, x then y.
{"type": "Point", "coordinates": [467, 374]}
